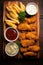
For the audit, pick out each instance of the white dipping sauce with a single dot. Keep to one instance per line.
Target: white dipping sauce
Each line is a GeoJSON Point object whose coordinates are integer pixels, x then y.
{"type": "Point", "coordinates": [31, 8]}
{"type": "Point", "coordinates": [11, 49]}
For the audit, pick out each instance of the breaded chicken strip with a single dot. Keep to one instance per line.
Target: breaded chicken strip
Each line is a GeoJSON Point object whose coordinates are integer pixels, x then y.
{"type": "Point", "coordinates": [32, 35]}
{"type": "Point", "coordinates": [34, 48]}
{"type": "Point", "coordinates": [33, 32]}
{"type": "Point", "coordinates": [22, 36]}
{"type": "Point", "coordinates": [31, 19]}
{"type": "Point", "coordinates": [26, 43]}
{"type": "Point", "coordinates": [23, 49]}
{"type": "Point", "coordinates": [29, 54]}
{"type": "Point", "coordinates": [25, 26]}
{"type": "Point", "coordinates": [33, 26]}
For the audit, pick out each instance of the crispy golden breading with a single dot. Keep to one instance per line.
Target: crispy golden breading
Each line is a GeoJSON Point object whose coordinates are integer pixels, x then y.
{"type": "Point", "coordinates": [22, 36]}
{"type": "Point", "coordinates": [26, 43]}
{"type": "Point", "coordinates": [32, 35]}
{"type": "Point", "coordinates": [33, 26]}
{"type": "Point", "coordinates": [34, 48]}
{"type": "Point", "coordinates": [25, 26]}
{"type": "Point", "coordinates": [29, 54]}
{"type": "Point", "coordinates": [33, 32]}
{"type": "Point", "coordinates": [23, 49]}
{"type": "Point", "coordinates": [28, 35]}
{"type": "Point", "coordinates": [31, 19]}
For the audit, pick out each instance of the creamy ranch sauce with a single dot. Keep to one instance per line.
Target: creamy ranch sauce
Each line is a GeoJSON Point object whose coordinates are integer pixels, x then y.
{"type": "Point", "coordinates": [12, 49]}
{"type": "Point", "coordinates": [31, 9]}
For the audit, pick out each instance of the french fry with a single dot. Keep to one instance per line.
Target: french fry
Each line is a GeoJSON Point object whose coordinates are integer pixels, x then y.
{"type": "Point", "coordinates": [8, 8]}
{"type": "Point", "coordinates": [16, 9]}
{"type": "Point", "coordinates": [13, 11]}
{"type": "Point", "coordinates": [11, 24]}
{"type": "Point", "coordinates": [12, 21]}
{"type": "Point", "coordinates": [8, 16]}
{"type": "Point", "coordinates": [22, 6]}
{"type": "Point", "coordinates": [12, 15]}
{"type": "Point", "coordinates": [9, 3]}
{"type": "Point", "coordinates": [16, 21]}
{"type": "Point", "coordinates": [19, 9]}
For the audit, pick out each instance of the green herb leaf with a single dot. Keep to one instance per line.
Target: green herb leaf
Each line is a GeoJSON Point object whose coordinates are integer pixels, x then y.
{"type": "Point", "coordinates": [22, 15]}
{"type": "Point", "coordinates": [18, 43]}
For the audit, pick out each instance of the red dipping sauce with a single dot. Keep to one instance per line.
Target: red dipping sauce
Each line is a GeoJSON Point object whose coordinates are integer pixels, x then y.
{"type": "Point", "coordinates": [11, 34]}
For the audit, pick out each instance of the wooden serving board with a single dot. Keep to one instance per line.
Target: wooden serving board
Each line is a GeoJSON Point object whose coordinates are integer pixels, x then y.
{"type": "Point", "coordinates": [4, 27]}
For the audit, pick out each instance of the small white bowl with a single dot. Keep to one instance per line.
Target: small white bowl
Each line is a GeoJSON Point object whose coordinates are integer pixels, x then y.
{"type": "Point", "coordinates": [11, 47]}
{"type": "Point", "coordinates": [32, 8]}
{"type": "Point", "coordinates": [9, 39]}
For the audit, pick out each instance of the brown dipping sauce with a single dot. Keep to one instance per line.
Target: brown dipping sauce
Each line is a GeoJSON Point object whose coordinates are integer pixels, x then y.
{"type": "Point", "coordinates": [11, 34]}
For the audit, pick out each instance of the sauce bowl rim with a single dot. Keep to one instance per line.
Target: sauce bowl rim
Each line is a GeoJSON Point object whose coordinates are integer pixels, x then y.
{"type": "Point", "coordinates": [7, 38]}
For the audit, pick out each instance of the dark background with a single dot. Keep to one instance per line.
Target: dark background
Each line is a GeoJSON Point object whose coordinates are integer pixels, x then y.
{"type": "Point", "coordinates": [22, 62]}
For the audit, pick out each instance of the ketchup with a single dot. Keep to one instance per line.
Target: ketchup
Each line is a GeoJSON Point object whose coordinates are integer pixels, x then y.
{"type": "Point", "coordinates": [11, 34]}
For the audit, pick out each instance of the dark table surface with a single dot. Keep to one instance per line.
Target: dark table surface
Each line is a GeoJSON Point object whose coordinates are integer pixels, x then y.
{"type": "Point", "coordinates": [41, 32]}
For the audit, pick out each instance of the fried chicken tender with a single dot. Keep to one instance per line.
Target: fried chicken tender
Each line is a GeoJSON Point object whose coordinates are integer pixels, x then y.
{"type": "Point", "coordinates": [30, 20]}
{"type": "Point", "coordinates": [29, 54]}
{"type": "Point", "coordinates": [34, 48]}
{"type": "Point", "coordinates": [25, 26]}
{"type": "Point", "coordinates": [33, 26]}
{"type": "Point", "coordinates": [34, 32]}
{"type": "Point", "coordinates": [23, 49]}
{"type": "Point", "coordinates": [22, 36]}
{"type": "Point", "coordinates": [29, 35]}
{"type": "Point", "coordinates": [32, 35]}
{"type": "Point", "coordinates": [26, 43]}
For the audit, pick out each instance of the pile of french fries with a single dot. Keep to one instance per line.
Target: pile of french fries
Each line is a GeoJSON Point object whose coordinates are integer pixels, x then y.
{"type": "Point", "coordinates": [12, 13]}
